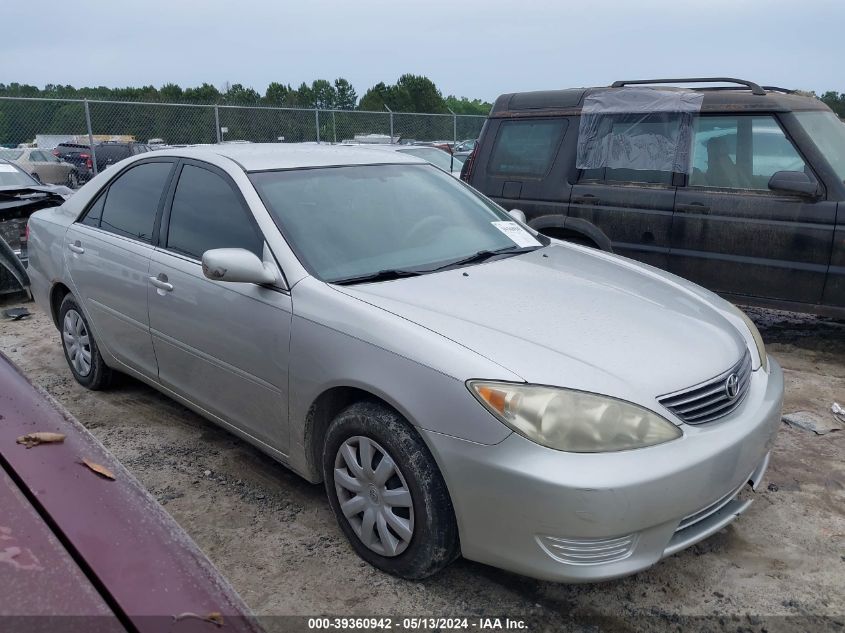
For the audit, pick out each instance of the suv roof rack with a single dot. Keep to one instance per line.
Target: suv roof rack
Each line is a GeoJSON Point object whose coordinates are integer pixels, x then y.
{"type": "Point", "coordinates": [755, 88]}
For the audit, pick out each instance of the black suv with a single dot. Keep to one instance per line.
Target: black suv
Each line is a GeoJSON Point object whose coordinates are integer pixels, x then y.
{"type": "Point", "coordinates": [108, 153]}
{"type": "Point", "coordinates": [741, 190]}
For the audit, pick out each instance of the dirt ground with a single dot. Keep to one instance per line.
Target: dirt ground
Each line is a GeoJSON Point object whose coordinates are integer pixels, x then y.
{"type": "Point", "coordinates": [273, 535]}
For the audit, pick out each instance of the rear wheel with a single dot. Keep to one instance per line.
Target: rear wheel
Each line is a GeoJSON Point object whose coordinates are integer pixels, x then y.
{"type": "Point", "coordinates": [81, 351]}
{"type": "Point", "coordinates": [387, 493]}
{"type": "Point", "coordinates": [73, 179]}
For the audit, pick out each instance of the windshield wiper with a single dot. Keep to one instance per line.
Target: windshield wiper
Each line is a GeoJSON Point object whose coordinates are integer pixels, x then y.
{"type": "Point", "coordinates": [484, 255]}
{"type": "Point", "coordinates": [382, 275]}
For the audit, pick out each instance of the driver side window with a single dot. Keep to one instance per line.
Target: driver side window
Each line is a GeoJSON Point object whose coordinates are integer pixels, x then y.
{"type": "Point", "coordinates": [741, 152]}
{"type": "Point", "coordinates": [207, 214]}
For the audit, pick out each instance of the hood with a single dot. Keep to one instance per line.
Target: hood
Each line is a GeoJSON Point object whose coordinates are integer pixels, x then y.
{"type": "Point", "coordinates": [29, 190]}
{"type": "Point", "coordinates": [567, 316]}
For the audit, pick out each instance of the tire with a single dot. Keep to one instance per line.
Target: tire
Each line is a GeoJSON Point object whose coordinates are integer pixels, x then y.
{"type": "Point", "coordinates": [80, 348]}
{"type": "Point", "coordinates": [422, 536]}
{"type": "Point", "coordinates": [73, 179]}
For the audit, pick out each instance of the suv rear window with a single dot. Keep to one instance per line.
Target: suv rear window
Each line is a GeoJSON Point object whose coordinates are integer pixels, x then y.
{"type": "Point", "coordinates": [526, 148]}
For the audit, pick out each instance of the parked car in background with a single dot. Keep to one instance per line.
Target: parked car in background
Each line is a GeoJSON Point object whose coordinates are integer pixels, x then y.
{"type": "Point", "coordinates": [77, 154]}
{"type": "Point", "coordinates": [753, 213]}
{"type": "Point", "coordinates": [107, 152]}
{"type": "Point", "coordinates": [434, 155]}
{"type": "Point", "coordinates": [460, 383]}
{"type": "Point", "coordinates": [91, 551]}
{"type": "Point", "coordinates": [464, 148]}
{"type": "Point", "coordinates": [43, 166]}
{"type": "Point", "coordinates": [111, 152]}
{"type": "Point", "coordinates": [20, 196]}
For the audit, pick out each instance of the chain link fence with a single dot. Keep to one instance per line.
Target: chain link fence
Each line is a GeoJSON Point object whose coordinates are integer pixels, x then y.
{"type": "Point", "coordinates": [47, 122]}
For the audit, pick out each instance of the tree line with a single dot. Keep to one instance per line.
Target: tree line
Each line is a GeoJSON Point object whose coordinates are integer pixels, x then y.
{"type": "Point", "coordinates": [410, 93]}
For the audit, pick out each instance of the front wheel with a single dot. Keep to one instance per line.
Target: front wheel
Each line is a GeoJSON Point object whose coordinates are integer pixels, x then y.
{"type": "Point", "coordinates": [387, 493]}
{"type": "Point", "coordinates": [81, 351]}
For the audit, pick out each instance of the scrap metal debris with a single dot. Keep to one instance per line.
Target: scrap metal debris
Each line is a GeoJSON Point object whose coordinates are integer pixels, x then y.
{"type": "Point", "coordinates": [215, 617]}
{"type": "Point", "coordinates": [838, 412]}
{"type": "Point", "coordinates": [100, 470]}
{"type": "Point", "coordinates": [16, 314]}
{"type": "Point", "coordinates": [807, 421]}
{"type": "Point", "coordinates": [41, 437]}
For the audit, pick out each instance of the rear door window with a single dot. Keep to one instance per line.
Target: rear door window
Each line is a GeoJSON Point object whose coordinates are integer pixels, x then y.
{"type": "Point", "coordinates": [526, 148]}
{"type": "Point", "coordinates": [133, 200]}
{"type": "Point", "coordinates": [636, 149]}
{"type": "Point", "coordinates": [207, 213]}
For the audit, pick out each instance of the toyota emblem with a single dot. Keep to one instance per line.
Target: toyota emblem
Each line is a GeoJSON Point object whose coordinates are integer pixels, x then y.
{"type": "Point", "coordinates": [732, 386]}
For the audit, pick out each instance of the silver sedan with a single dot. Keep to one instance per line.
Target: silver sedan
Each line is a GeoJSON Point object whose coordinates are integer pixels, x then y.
{"type": "Point", "coordinates": [460, 384]}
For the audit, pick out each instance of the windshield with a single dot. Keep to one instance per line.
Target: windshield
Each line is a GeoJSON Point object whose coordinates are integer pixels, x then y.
{"type": "Point", "coordinates": [10, 154]}
{"type": "Point", "coordinates": [10, 176]}
{"type": "Point", "coordinates": [348, 222]}
{"type": "Point", "coordinates": [436, 157]}
{"type": "Point", "coordinates": [828, 133]}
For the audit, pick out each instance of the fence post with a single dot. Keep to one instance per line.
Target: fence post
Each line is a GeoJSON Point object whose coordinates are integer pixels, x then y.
{"type": "Point", "coordinates": [334, 128]}
{"type": "Point", "coordinates": [90, 138]}
{"type": "Point", "coordinates": [454, 126]}
{"type": "Point", "coordinates": [217, 123]}
{"type": "Point", "coordinates": [391, 121]}
{"type": "Point", "coordinates": [317, 122]}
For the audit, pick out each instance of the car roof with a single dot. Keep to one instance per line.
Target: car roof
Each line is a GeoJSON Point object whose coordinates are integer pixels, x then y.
{"type": "Point", "coordinates": [269, 156]}
{"type": "Point", "coordinates": [569, 101]}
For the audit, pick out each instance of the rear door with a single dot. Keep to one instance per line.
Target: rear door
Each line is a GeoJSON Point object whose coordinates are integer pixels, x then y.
{"type": "Point", "coordinates": [731, 233]}
{"type": "Point", "coordinates": [49, 169]}
{"type": "Point", "coordinates": [108, 256]}
{"type": "Point", "coordinates": [630, 196]}
{"type": "Point", "coordinates": [223, 346]}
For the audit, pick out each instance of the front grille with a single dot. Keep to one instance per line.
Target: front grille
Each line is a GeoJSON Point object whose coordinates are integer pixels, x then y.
{"type": "Point", "coordinates": [588, 551]}
{"type": "Point", "coordinates": [710, 400]}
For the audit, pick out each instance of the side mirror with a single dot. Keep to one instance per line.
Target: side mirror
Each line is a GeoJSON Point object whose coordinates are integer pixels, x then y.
{"type": "Point", "coordinates": [518, 214]}
{"type": "Point", "coordinates": [236, 264]}
{"type": "Point", "coordinates": [795, 182]}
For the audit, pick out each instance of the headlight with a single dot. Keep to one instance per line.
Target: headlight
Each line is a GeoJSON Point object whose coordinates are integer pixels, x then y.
{"type": "Point", "coordinates": [573, 421]}
{"type": "Point", "coordinates": [755, 334]}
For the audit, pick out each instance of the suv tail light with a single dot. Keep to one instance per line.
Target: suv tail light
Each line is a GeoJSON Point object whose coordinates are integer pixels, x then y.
{"type": "Point", "coordinates": [88, 163]}
{"type": "Point", "coordinates": [55, 152]}
{"type": "Point", "coordinates": [466, 170]}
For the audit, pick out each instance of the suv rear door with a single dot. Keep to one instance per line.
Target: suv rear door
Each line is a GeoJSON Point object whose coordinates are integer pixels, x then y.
{"type": "Point", "coordinates": [735, 236]}
{"type": "Point", "coordinates": [631, 198]}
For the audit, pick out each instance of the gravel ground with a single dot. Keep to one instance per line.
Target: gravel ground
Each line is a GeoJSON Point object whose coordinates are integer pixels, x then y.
{"type": "Point", "coordinates": [273, 535]}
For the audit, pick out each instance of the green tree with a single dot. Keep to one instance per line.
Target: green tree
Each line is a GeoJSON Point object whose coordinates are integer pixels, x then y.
{"type": "Point", "coordinates": [323, 94]}
{"type": "Point", "coordinates": [346, 98]}
{"type": "Point", "coordinates": [467, 106]}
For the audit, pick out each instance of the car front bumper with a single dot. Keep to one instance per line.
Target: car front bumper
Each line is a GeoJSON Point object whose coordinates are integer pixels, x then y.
{"type": "Point", "coordinates": [577, 517]}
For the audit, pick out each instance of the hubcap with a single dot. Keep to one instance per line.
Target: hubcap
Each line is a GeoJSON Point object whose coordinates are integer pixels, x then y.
{"type": "Point", "coordinates": [373, 496]}
{"type": "Point", "coordinates": [77, 342]}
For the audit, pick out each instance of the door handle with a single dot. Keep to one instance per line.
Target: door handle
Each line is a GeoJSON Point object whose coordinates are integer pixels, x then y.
{"type": "Point", "coordinates": [695, 207]}
{"type": "Point", "coordinates": [161, 284]}
{"type": "Point", "coordinates": [586, 199]}
{"type": "Point", "coordinates": [76, 247]}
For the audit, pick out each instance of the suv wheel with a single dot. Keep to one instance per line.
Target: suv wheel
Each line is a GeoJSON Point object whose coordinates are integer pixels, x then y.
{"type": "Point", "coordinates": [81, 352]}
{"type": "Point", "coordinates": [387, 493]}
{"type": "Point", "coordinates": [73, 179]}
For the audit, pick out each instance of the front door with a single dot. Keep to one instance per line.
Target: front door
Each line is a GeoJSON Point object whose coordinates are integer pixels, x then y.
{"type": "Point", "coordinates": [223, 346]}
{"type": "Point", "coordinates": [735, 236]}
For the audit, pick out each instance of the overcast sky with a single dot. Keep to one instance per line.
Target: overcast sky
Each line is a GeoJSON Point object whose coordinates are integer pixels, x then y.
{"type": "Point", "coordinates": [474, 48]}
